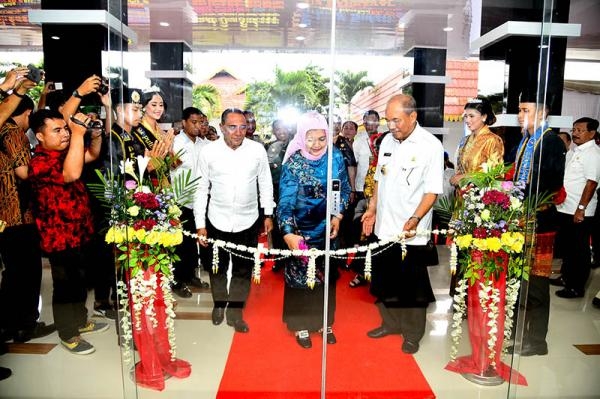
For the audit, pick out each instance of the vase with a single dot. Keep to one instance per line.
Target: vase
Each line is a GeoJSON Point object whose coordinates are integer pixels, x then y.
{"type": "Point", "coordinates": [484, 365]}
{"type": "Point", "coordinates": [150, 323]}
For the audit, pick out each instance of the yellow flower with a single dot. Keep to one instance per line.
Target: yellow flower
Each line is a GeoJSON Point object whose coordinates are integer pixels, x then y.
{"type": "Point", "coordinates": [133, 210]}
{"type": "Point", "coordinates": [152, 237]}
{"type": "Point", "coordinates": [139, 235]}
{"type": "Point", "coordinates": [480, 243]}
{"type": "Point", "coordinates": [485, 215]}
{"type": "Point", "coordinates": [464, 241]}
{"type": "Point", "coordinates": [493, 243]}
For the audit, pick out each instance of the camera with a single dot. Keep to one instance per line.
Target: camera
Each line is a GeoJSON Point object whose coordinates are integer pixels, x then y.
{"type": "Point", "coordinates": [55, 86]}
{"type": "Point", "coordinates": [103, 88]}
{"type": "Point", "coordinates": [35, 74]}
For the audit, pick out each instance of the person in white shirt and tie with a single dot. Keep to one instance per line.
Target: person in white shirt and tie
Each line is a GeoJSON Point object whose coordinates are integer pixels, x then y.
{"type": "Point", "coordinates": [231, 170]}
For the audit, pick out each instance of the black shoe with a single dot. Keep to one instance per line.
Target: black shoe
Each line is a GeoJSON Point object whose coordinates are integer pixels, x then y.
{"type": "Point", "coordinates": [198, 283]}
{"type": "Point", "coordinates": [379, 332]}
{"type": "Point", "coordinates": [410, 347]}
{"type": "Point", "coordinates": [182, 290]}
{"type": "Point", "coordinates": [569, 293]}
{"type": "Point", "coordinates": [303, 339]}
{"type": "Point", "coordinates": [107, 310]}
{"type": "Point", "coordinates": [4, 373]}
{"type": "Point", "coordinates": [530, 350]}
{"type": "Point", "coordinates": [557, 282]}
{"type": "Point", "coordinates": [330, 337]}
{"type": "Point", "coordinates": [596, 302]}
{"type": "Point", "coordinates": [239, 325]}
{"type": "Point", "coordinates": [218, 315]}
{"type": "Point", "coordinates": [40, 330]}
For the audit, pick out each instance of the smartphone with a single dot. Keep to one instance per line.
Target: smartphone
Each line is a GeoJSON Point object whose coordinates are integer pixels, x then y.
{"type": "Point", "coordinates": [337, 199]}
{"type": "Point", "coordinates": [58, 86]}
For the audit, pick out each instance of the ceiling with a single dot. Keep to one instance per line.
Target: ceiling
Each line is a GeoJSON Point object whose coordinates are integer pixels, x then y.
{"type": "Point", "coordinates": [362, 26]}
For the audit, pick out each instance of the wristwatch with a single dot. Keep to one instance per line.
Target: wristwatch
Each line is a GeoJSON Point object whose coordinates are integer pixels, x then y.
{"type": "Point", "coordinates": [581, 207]}
{"type": "Point", "coordinates": [76, 94]}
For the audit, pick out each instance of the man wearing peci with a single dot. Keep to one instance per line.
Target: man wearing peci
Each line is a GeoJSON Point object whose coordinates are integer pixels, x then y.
{"type": "Point", "coordinates": [408, 178]}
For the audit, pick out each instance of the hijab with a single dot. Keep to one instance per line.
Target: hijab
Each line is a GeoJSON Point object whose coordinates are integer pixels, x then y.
{"type": "Point", "coordinates": [308, 121]}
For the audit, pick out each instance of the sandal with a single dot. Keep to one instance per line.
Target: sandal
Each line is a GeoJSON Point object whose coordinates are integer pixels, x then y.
{"type": "Point", "coordinates": [358, 281]}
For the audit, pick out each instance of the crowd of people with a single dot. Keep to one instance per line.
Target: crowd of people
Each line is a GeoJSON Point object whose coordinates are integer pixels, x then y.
{"type": "Point", "coordinates": [389, 176]}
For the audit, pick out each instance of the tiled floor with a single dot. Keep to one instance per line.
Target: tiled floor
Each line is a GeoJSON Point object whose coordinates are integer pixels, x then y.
{"type": "Point", "coordinates": [565, 372]}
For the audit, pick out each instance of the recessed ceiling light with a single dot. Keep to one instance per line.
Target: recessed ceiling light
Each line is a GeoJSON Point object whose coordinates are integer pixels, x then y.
{"type": "Point", "coordinates": [300, 38]}
{"type": "Point", "coordinates": [55, 37]}
{"type": "Point", "coordinates": [302, 5]}
{"type": "Point", "coordinates": [165, 24]}
{"type": "Point", "coordinates": [302, 25]}
{"type": "Point", "coordinates": [448, 29]}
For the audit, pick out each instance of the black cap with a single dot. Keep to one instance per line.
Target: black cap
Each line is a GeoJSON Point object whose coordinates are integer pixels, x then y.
{"type": "Point", "coordinates": [126, 96]}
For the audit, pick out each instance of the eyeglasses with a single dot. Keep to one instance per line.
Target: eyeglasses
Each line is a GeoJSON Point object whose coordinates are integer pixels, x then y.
{"type": "Point", "coordinates": [372, 122]}
{"type": "Point", "coordinates": [233, 128]}
{"type": "Point", "coordinates": [578, 131]}
{"type": "Point", "coordinates": [203, 123]}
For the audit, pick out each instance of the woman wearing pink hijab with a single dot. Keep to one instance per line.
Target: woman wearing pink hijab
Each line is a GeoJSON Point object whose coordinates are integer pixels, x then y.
{"type": "Point", "coordinates": [302, 215]}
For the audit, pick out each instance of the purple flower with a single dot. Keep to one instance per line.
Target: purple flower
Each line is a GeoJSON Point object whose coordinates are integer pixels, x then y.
{"type": "Point", "coordinates": [507, 185]}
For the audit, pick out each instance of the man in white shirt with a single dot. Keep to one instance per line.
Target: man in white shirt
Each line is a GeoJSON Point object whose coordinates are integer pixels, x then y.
{"type": "Point", "coordinates": [364, 151]}
{"type": "Point", "coordinates": [409, 177]}
{"type": "Point", "coordinates": [582, 172]}
{"type": "Point", "coordinates": [187, 144]}
{"type": "Point", "coordinates": [231, 170]}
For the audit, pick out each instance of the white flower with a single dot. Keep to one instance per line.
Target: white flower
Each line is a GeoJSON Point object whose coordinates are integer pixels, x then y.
{"type": "Point", "coordinates": [142, 162]}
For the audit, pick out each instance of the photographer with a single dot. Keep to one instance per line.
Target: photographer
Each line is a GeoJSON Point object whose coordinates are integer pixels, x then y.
{"type": "Point", "coordinates": [63, 218]}
{"type": "Point", "coordinates": [93, 84]}
{"type": "Point", "coordinates": [19, 243]}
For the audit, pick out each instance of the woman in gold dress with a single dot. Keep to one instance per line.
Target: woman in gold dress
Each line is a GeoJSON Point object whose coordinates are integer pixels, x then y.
{"type": "Point", "coordinates": [481, 145]}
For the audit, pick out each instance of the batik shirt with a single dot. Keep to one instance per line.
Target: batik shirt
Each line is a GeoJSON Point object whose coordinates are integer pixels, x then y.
{"type": "Point", "coordinates": [14, 152]}
{"type": "Point", "coordinates": [62, 210]}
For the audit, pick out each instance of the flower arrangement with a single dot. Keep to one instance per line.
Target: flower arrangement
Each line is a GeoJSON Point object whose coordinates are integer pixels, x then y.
{"type": "Point", "coordinates": [487, 225]}
{"type": "Point", "coordinates": [488, 245]}
{"type": "Point", "coordinates": [145, 229]}
{"type": "Point", "coordinates": [145, 223]}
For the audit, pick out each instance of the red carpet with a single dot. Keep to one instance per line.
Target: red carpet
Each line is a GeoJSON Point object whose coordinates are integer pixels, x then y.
{"type": "Point", "coordinates": [267, 362]}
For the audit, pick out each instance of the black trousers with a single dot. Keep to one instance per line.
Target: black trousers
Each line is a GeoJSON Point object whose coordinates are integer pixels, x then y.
{"type": "Point", "coordinates": [576, 251]}
{"type": "Point", "coordinates": [21, 278]}
{"type": "Point", "coordinates": [537, 311]}
{"type": "Point", "coordinates": [187, 251]}
{"type": "Point", "coordinates": [241, 270]}
{"type": "Point", "coordinates": [70, 293]}
{"type": "Point", "coordinates": [410, 322]}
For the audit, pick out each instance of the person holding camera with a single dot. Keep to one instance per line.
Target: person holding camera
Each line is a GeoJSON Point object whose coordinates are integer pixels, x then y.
{"type": "Point", "coordinates": [64, 219]}
{"type": "Point", "coordinates": [19, 243]}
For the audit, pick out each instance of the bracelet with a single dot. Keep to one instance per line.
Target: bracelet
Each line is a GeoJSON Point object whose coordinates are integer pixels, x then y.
{"type": "Point", "coordinates": [18, 95]}
{"type": "Point", "coordinates": [415, 217]}
{"type": "Point", "coordinates": [337, 217]}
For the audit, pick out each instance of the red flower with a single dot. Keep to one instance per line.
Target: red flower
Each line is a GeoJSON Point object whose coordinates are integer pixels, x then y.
{"type": "Point", "coordinates": [495, 197]}
{"type": "Point", "coordinates": [174, 222]}
{"type": "Point", "coordinates": [495, 233]}
{"type": "Point", "coordinates": [479, 232]}
{"type": "Point", "coordinates": [146, 200]}
{"type": "Point", "coordinates": [146, 224]}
